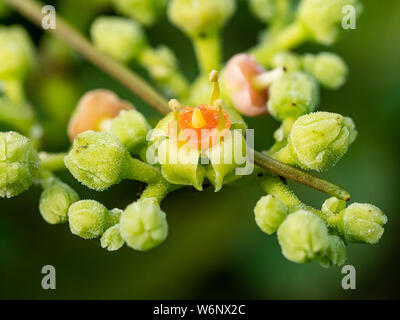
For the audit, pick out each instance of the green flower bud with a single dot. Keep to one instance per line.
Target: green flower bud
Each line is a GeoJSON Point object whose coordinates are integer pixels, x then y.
{"type": "Point", "coordinates": [114, 216]}
{"type": "Point", "coordinates": [144, 11]}
{"type": "Point", "coordinates": [323, 18]}
{"type": "Point", "coordinates": [318, 140]}
{"type": "Point", "coordinates": [131, 128]}
{"type": "Point", "coordinates": [329, 69]}
{"type": "Point", "coordinates": [19, 164]}
{"type": "Point", "coordinates": [292, 95]}
{"type": "Point", "coordinates": [360, 222]}
{"type": "Point", "coordinates": [17, 54]}
{"type": "Point", "coordinates": [200, 17]}
{"type": "Point", "coordinates": [120, 38]}
{"type": "Point", "coordinates": [272, 11]}
{"type": "Point", "coordinates": [97, 159]}
{"type": "Point", "coordinates": [180, 165]}
{"type": "Point", "coordinates": [143, 225]}
{"type": "Point", "coordinates": [287, 60]}
{"type": "Point", "coordinates": [270, 212]}
{"type": "Point", "coordinates": [55, 201]}
{"type": "Point", "coordinates": [88, 219]}
{"type": "Point", "coordinates": [333, 205]}
{"type": "Point", "coordinates": [303, 236]}
{"type": "Point", "coordinates": [160, 62]}
{"type": "Point", "coordinates": [335, 254]}
{"type": "Point", "coordinates": [111, 239]}
{"type": "Point", "coordinates": [265, 10]}
{"type": "Point", "coordinates": [225, 157]}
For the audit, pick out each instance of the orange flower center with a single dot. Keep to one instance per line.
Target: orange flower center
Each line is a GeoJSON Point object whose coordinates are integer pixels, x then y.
{"type": "Point", "coordinates": [201, 128]}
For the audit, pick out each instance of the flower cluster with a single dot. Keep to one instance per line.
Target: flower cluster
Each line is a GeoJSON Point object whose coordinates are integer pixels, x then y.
{"type": "Point", "coordinates": [202, 140]}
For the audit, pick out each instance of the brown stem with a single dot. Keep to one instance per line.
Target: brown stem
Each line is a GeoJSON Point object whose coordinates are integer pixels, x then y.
{"type": "Point", "coordinates": [32, 10]}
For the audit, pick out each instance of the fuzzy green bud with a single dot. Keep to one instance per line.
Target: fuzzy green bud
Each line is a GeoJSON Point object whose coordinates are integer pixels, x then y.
{"type": "Point", "coordinates": [88, 219]}
{"type": "Point", "coordinates": [323, 18]}
{"type": "Point", "coordinates": [111, 239]}
{"type": "Point", "coordinates": [361, 222]}
{"type": "Point", "coordinates": [318, 140]}
{"type": "Point", "coordinates": [121, 38]}
{"type": "Point", "coordinates": [329, 69]}
{"type": "Point", "coordinates": [143, 225]}
{"type": "Point", "coordinates": [292, 95]}
{"type": "Point", "coordinates": [303, 236]}
{"type": "Point", "coordinates": [335, 254]}
{"type": "Point", "coordinates": [270, 212]}
{"type": "Point", "coordinates": [200, 17]}
{"type": "Point", "coordinates": [333, 205]}
{"type": "Point", "coordinates": [144, 11]}
{"type": "Point", "coordinates": [131, 128]}
{"type": "Point", "coordinates": [287, 60]}
{"type": "Point", "coordinates": [19, 164]}
{"type": "Point", "coordinates": [55, 201]}
{"type": "Point", "coordinates": [17, 55]}
{"type": "Point", "coordinates": [97, 159]}
{"type": "Point", "coordinates": [274, 12]}
{"type": "Point", "coordinates": [264, 10]}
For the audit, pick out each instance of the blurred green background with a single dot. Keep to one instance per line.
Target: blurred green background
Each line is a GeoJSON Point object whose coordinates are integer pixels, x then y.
{"type": "Point", "coordinates": [214, 249]}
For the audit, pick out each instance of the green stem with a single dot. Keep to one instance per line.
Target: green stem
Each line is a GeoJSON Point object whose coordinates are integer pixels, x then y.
{"type": "Point", "coordinates": [141, 171]}
{"type": "Point", "coordinates": [300, 176]}
{"type": "Point", "coordinates": [32, 10]}
{"type": "Point", "coordinates": [274, 186]}
{"type": "Point", "coordinates": [289, 37]}
{"type": "Point", "coordinates": [159, 190]}
{"type": "Point", "coordinates": [52, 161]}
{"type": "Point", "coordinates": [208, 52]}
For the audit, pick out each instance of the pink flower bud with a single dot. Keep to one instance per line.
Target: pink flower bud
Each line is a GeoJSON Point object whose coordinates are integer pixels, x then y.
{"type": "Point", "coordinates": [93, 108]}
{"type": "Point", "coordinates": [239, 74]}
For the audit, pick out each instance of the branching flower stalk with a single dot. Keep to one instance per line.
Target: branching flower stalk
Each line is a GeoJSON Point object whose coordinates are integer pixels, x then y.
{"type": "Point", "coordinates": [112, 141]}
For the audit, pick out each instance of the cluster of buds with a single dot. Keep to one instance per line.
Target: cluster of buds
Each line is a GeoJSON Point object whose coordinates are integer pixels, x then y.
{"type": "Point", "coordinates": [196, 143]}
{"type": "Point", "coordinates": [306, 234]}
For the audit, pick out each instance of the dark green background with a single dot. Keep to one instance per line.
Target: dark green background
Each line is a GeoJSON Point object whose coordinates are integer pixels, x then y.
{"type": "Point", "coordinates": [214, 249]}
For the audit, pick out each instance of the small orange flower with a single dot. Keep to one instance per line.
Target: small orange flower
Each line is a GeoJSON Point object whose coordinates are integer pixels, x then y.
{"type": "Point", "coordinates": [202, 125]}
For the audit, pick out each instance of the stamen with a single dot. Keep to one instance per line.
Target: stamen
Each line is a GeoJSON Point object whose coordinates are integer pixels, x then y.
{"type": "Point", "coordinates": [264, 80]}
{"type": "Point", "coordinates": [175, 105]}
{"type": "Point", "coordinates": [216, 91]}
